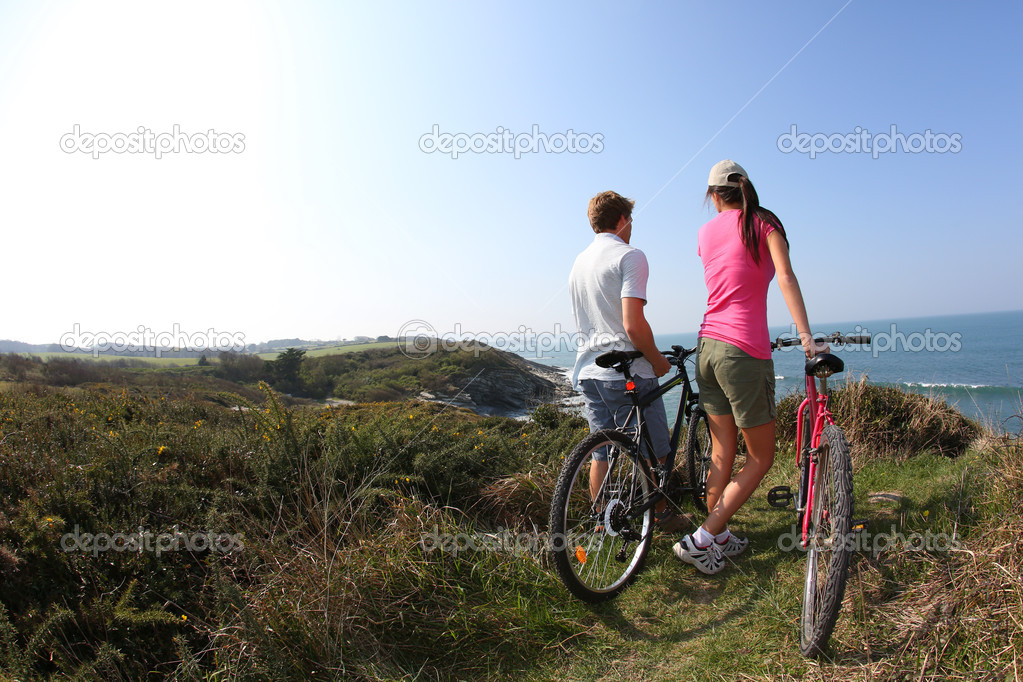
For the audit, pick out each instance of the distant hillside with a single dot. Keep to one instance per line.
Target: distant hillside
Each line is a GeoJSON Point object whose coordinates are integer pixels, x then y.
{"type": "Point", "coordinates": [267, 347]}
{"type": "Point", "coordinates": [8, 346]}
{"type": "Point", "coordinates": [483, 379]}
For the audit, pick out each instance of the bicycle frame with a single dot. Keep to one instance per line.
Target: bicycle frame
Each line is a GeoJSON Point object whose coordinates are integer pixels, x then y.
{"type": "Point", "coordinates": [687, 400]}
{"type": "Point", "coordinates": [814, 405]}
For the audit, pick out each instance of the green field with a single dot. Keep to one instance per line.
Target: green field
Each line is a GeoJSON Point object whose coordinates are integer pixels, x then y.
{"type": "Point", "coordinates": [334, 350]}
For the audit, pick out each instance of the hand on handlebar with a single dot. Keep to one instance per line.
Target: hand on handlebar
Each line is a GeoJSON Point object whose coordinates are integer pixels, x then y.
{"type": "Point", "coordinates": [813, 347]}
{"type": "Point", "coordinates": [661, 365]}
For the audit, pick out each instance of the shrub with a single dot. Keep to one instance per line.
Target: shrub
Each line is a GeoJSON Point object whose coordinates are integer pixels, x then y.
{"type": "Point", "coordinates": [884, 421]}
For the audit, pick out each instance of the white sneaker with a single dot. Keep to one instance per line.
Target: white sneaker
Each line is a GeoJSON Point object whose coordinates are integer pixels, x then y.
{"type": "Point", "coordinates": [706, 559]}
{"type": "Point", "coordinates": [733, 546]}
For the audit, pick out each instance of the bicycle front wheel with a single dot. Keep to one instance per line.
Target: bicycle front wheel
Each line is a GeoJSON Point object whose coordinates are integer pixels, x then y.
{"type": "Point", "coordinates": [601, 518]}
{"type": "Point", "coordinates": [698, 450]}
{"type": "Point", "coordinates": [828, 548]}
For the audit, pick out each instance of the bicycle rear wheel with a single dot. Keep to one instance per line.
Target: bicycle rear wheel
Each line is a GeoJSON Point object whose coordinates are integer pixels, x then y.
{"type": "Point", "coordinates": [827, 556]}
{"type": "Point", "coordinates": [600, 541]}
{"type": "Point", "coordinates": [698, 450]}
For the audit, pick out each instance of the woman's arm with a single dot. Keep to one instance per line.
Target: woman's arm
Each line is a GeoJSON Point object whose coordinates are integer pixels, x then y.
{"type": "Point", "coordinates": [789, 286]}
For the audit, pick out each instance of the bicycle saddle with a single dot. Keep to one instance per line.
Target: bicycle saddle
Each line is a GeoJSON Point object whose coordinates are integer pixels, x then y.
{"type": "Point", "coordinates": [824, 365]}
{"type": "Point", "coordinates": [616, 357]}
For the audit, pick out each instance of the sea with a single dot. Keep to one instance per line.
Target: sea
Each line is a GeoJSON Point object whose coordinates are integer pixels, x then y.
{"type": "Point", "coordinates": [973, 362]}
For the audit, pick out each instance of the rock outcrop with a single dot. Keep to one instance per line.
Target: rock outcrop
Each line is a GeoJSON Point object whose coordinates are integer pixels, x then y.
{"type": "Point", "coordinates": [508, 386]}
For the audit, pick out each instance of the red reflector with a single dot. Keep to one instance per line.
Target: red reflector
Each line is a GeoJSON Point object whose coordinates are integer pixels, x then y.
{"type": "Point", "coordinates": [630, 386]}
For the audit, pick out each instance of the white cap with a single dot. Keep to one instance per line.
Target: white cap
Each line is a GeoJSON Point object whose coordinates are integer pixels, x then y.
{"type": "Point", "coordinates": [720, 172]}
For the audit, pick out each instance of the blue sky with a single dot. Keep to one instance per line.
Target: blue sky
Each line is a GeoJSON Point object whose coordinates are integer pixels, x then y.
{"type": "Point", "coordinates": [332, 222]}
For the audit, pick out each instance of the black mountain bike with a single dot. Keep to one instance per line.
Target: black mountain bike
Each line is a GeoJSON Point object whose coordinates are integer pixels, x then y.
{"type": "Point", "coordinates": [601, 525]}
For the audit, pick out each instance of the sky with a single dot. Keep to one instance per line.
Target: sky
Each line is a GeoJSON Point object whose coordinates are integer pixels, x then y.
{"type": "Point", "coordinates": [336, 203]}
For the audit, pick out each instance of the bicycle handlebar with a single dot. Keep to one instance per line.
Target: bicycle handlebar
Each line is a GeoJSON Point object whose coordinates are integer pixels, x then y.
{"type": "Point", "coordinates": [837, 337]}
{"type": "Point", "coordinates": [615, 358]}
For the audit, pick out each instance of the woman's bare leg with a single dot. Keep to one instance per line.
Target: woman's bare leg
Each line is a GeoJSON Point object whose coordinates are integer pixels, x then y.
{"type": "Point", "coordinates": [760, 447]}
{"type": "Point", "coordinates": [724, 436]}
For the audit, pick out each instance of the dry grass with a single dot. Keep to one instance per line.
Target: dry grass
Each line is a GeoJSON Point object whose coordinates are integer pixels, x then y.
{"type": "Point", "coordinates": [884, 421]}
{"type": "Point", "coordinates": [962, 617]}
{"type": "Point", "coordinates": [519, 500]}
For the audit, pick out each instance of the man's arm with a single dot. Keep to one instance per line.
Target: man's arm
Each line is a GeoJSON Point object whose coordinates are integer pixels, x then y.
{"type": "Point", "coordinates": [641, 336]}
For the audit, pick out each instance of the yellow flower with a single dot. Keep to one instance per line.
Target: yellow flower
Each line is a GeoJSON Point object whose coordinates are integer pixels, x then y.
{"type": "Point", "coordinates": [162, 448]}
{"type": "Point", "coordinates": [184, 617]}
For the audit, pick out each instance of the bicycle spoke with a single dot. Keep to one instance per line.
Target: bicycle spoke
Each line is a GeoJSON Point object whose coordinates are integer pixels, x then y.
{"type": "Point", "coordinates": [598, 541]}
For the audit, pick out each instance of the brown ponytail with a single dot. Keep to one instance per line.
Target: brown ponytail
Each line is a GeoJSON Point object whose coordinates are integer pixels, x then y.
{"type": "Point", "coordinates": [746, 196]}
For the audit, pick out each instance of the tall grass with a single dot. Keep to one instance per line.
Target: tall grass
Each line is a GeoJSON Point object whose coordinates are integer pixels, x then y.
{"type": "Point", "coordinates": [329, 508]}
{"type": "Point", "coordinates": [333, 575]}
{"type": "Point", "coordinates": [884, 421]}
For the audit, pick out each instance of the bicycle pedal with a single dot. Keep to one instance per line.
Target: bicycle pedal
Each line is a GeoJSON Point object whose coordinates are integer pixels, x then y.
{"type": "Point", "coordinates": [780, 496]}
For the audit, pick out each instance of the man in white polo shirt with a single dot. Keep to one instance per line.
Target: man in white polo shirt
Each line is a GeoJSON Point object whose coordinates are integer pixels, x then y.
{"type": "Point", "coordinates": [608, 290]}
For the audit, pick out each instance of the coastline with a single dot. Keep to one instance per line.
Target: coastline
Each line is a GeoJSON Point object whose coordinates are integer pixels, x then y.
{"type": "Point", "coordinates": [960, 359]}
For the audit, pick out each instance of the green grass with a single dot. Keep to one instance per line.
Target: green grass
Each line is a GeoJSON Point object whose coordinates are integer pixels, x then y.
{"type": "Point", "coordinates": [676, 623]}
{"type": "Point", "coordinates": [334, 580]}
{"type": "Point", "coordinates": [112, 359]}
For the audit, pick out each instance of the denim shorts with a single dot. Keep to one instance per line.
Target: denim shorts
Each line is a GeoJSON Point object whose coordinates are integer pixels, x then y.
{"type": "Point", "coordinates": [734, 382]}
{"type": "Point", "coordinates": [607, 407]}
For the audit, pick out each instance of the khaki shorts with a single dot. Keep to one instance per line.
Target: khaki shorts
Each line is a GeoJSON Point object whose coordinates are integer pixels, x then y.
{"type": "Point", "coordinates": [732, 381]}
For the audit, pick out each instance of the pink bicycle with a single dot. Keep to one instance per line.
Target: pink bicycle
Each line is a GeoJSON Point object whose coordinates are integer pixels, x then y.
{"type": "Point", "coordinates": [824, 498]}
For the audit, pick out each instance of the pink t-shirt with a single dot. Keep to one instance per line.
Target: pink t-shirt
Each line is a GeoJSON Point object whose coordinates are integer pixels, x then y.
{"type": "Point", "coordinates": [736, 287]}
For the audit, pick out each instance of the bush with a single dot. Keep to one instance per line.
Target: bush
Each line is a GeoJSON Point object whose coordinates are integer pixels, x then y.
{"type": "Point", "coordinates": [884, 421]}
{"type": "Point", "coordinates": [329, 506]}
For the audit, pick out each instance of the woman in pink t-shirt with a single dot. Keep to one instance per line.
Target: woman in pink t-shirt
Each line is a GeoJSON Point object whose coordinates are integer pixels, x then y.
{"type": "Point", "coordinates": [742, 249]}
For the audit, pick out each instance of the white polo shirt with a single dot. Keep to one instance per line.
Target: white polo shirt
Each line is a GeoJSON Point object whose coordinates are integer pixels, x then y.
{"type": "Point", "coordinates": [605, 273]}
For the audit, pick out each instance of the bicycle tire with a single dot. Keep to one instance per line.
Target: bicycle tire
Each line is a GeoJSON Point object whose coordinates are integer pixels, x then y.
{"type": "Point", "coordinates": [698, 451]}
{"type": "Point", "coordinates": [828, 549]}
{"type": "Point", "coordinates": [597, 549]}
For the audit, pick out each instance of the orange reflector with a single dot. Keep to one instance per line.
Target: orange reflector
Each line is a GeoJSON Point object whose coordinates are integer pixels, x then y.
{"type": "Point", "coordinates": [630, 385]}
{"type": "Point", "coordinates": [580, 555]}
